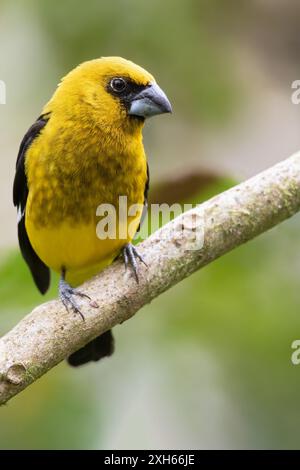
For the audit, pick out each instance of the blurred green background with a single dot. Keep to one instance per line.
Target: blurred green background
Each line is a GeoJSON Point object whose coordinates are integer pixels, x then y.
{"type": "Point", "coordinates": [206, 365]}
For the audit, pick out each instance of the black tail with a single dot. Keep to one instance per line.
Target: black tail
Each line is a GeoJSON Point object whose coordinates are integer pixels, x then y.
{"type": "Point", "coordinates": [100, 347]}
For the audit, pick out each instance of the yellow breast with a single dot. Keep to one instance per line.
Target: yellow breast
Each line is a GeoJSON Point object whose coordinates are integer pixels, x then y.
{"type": "Point", "coordinates": [67, 183]}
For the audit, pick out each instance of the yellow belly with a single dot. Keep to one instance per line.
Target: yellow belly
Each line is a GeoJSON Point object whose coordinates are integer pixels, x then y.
{"type": "Point", "coordinates": [75, 248]}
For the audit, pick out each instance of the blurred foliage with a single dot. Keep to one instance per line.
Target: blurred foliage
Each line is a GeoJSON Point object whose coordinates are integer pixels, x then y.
{"type": "Point", "coordinates": [196, 185]}
{"type": "Point", "coordinates": [154, 34]}
{"type": "Point", "coordinates": [15, 273]}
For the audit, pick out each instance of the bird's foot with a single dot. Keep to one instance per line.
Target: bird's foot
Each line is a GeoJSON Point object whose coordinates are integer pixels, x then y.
{"type": "Point", "coordinates": [67, 295]}
{"type": "Point", "coordinates": [130, 255]}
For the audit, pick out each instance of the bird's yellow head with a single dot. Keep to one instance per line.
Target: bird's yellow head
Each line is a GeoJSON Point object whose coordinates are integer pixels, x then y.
{"type": "Point", "coordinates": [110, 91]}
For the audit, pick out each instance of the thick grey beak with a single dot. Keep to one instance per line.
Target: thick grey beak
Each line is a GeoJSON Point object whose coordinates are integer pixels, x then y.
{"type": "Point", "coordinates": [150, 102]}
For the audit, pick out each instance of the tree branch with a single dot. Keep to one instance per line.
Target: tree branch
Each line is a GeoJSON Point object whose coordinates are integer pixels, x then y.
{"type": "Point", "coordinates": [49, 333]}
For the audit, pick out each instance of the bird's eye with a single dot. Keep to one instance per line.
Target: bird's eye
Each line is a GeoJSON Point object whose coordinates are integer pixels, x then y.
{"type": "Point", "coordinates": [118, 85]}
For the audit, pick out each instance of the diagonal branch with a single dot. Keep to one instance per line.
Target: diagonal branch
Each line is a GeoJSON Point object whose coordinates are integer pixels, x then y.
{"type": "Point", "coordinates": [49, 334]}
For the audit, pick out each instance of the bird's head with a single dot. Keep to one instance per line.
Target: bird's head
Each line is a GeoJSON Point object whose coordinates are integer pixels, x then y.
{"type": "Point", "coordinates": [112, 91]}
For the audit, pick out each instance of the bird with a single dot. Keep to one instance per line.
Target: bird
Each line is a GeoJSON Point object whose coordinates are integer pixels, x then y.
{"type": "Point", "coordinates": [85, 149]}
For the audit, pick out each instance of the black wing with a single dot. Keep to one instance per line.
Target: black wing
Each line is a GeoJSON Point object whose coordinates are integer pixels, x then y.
{"type": "Point", "coordinates": [40, 272]}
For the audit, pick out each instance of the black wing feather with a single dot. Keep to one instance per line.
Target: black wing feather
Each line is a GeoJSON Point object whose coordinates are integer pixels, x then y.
{"type": "Point", "coordinates": [40, 272]}
{"type": "Point", "coordinates": [100, 347]}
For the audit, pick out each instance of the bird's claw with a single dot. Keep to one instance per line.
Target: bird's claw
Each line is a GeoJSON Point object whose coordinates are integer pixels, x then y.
{"type": "Point", "coordinates": [130, 255]}
{"type": "Point", "coordinates": [67, 294]}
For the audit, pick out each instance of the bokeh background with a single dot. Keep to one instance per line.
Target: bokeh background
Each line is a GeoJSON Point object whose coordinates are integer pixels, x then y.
{"type": "Point", "coordinates": [208, 364]}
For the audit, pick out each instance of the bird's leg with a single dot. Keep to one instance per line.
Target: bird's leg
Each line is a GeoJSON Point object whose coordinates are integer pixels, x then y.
{"type": "Point", "coordinates": [67, 294]}
{"type": "Point", "coordinates": [130, 255]}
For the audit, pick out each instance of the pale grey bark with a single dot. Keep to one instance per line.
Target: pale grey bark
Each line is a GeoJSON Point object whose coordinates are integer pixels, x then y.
{"type": "Point", "coordinates": [49, 333]}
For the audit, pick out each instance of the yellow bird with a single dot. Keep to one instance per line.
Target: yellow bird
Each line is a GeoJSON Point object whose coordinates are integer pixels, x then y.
{"type": "Point", "coordinates": [85, 149]}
